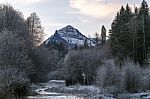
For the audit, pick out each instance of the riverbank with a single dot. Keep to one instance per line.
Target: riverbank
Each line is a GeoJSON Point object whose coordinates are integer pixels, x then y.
{"type": "Point", "coordinates": [58, 89]}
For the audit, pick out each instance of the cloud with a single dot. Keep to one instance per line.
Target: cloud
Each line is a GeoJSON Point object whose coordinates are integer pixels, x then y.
{"type": "Point", "coordinates": [95, 8]}
{"type": "Point", "coordinates": [21, 1]}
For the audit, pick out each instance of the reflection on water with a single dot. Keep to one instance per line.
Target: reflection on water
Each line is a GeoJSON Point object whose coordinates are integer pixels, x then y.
{"type": "Point", "coordinates": [54, 97]}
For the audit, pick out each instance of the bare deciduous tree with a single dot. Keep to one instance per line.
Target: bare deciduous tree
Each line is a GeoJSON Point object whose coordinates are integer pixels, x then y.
{"type": "Point", "coordinates": [35, 29]}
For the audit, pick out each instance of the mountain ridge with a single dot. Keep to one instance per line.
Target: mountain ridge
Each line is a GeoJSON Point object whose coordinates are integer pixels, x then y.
{"type": "Point", "coordinates": [68, 35]}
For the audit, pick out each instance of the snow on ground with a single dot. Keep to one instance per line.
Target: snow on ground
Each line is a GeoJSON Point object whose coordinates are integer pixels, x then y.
{"type": "Point", "coordinates": [42, 91]}
{"type": "Point", "coordinates": [53, 97]}
{"type": "Point", "coordinates": [57, 81]}
{"type": "Point", "coordinates": [86, 90]}
{"type": "Point", "coordinates": [56, 88]}
{"type": "Point", "coordinates": [74, 40]}
{"type": "Point", "coordinates": [142, 95]}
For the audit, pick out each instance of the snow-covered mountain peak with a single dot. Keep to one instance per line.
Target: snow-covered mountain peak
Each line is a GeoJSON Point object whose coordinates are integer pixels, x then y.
{"type": "Point", "coordinates": [70, 31]}
{"type": "Point", "coordinates": [69, 35]}
{"type": "Point", "coordinates": [69, 27]}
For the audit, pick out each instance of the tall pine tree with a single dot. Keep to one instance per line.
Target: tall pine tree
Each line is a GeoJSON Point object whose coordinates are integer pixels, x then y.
{"type": "Point", "coordinates": [130, 34]}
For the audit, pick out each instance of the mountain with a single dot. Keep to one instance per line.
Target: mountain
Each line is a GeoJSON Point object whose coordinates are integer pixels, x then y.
{"type": "Point", "coordinates": [69, 36]}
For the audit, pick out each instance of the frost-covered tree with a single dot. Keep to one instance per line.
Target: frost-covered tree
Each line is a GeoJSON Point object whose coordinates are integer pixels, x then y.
{"type": "Point", "coordinates": [13, 21]}
{"type": "Point", "coordinates": [114, 79]}
{"type": "Point", "coordinates": [44, 62]}
{"type": "Point", "coordinates": [13, 51]}
{"type": "Point", "coordinates": [81, 65]}
{"type": "Point", "coordinates": [15, 65]}
{"type": "Point", "coordinates": [35, 29]}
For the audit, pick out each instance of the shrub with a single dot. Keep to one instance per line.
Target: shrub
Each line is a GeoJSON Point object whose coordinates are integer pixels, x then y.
{"type": "Point", "coordinates": [133, 77]}
{"type": "Point", "coordinates": [110, 76]}
{"type": "Point", "coordinates": [127, 78]}
{"type": "Point", "coordinates": [12, 80]}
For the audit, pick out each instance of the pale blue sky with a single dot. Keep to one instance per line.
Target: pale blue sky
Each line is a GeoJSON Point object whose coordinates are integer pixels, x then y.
{"type": "Point", "coordinates": [86, 15]}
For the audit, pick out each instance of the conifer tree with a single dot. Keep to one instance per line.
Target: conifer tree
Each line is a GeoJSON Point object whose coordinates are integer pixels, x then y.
{"type": "Point", "coordinates": [130, 33]}
{"type": "Point", "coordinates": [86, 44]}
{"type": "Point", "coordinates": [143, 33]}
{"type": "Point", "coordinates": [103, 34]}
{"type": "Point", "coordinates": [97, 39]}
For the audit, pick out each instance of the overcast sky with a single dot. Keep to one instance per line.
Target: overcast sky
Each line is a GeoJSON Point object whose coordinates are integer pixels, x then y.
{"type": "Point", "coordinates": [86, 15]}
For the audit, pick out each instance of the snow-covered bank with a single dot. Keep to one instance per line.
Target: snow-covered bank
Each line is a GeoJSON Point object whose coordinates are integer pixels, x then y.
{"type": "Point", "coordinates": [42, 91]}
{"type": "Point", "coordinates": [55, 88]}
{"type": "Point", "coordinates": [58, 88]}
{"type": "Point", "coordinates": [53, 97]}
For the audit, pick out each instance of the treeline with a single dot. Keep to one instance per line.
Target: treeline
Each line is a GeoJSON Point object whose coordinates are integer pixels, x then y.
{"type": "Point", "coordinates": [113, 64]}
{"type": "Point", "coordinates": [130, 34]}
{"type": "Point", "coordinates": [80, 65]}
{"type": "Point", "coordinates": [22, 58]}
{"type": "Point", "coordinates": [97, 66]}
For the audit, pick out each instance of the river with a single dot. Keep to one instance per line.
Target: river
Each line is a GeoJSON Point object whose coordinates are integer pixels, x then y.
{"type": "Point", "coordinates": [43, 92]}
{"type": "Point", "coordinates": [56, 89]}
